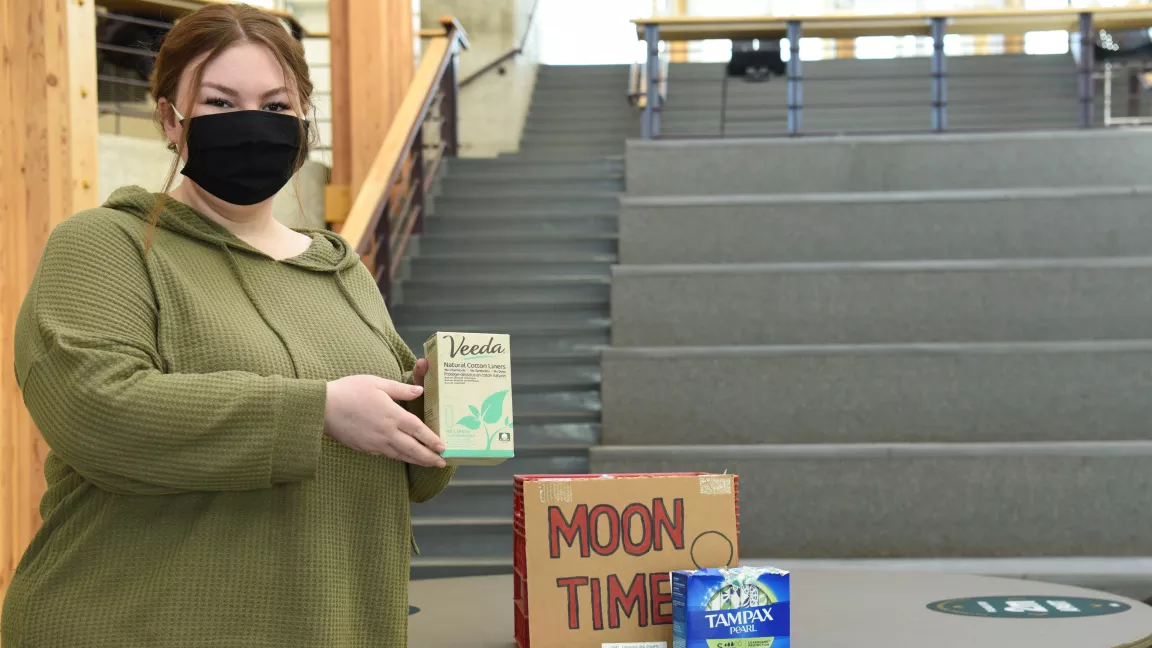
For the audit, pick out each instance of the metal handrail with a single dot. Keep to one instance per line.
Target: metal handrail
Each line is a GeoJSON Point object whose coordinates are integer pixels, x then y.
{"type": "Point", "coordinates": [638, 82]}
{"type": "Point", "coordinates": [506, 56]}
{"type": "Point", "coordinates": [1086, 22]}
{"type": "Point", "coordinates": [390, 206]}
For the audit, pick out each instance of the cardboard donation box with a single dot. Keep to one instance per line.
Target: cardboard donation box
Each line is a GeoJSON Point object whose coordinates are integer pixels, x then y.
{"type": "Point", "coordinates": [592, 554]}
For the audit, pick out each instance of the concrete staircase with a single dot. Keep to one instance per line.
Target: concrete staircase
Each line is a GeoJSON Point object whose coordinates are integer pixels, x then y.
{"type": "Point", "coordinates": [523, 244]}
{"type": "Point", "coordinates": [917, 352]}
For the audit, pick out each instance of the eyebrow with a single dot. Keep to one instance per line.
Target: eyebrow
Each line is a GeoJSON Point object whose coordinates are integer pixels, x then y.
{"type": "Point", "coordinates": [229, 91]}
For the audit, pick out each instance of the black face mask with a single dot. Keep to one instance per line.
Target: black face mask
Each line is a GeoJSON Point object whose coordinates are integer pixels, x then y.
{"type": "Point", "coordinates": [242, 157]}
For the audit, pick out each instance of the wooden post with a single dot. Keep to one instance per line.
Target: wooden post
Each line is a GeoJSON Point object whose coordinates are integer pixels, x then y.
{"type": "Point", "coordinates": [1013, 43]}
{"type": "Point", "coordinates": [48, 156]}
{"type": "Point", "coordinates": [372, 66]}
{"type": "Point", "coordinates": [678, 50]}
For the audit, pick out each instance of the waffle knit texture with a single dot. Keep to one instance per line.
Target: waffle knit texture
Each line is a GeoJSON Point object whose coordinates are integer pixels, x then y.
{"type": "Point", "coordinates": [193, 499]}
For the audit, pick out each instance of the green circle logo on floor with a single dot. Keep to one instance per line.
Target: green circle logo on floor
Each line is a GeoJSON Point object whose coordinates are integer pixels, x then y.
{"type": "Point", "coordinates": [1029, 607]}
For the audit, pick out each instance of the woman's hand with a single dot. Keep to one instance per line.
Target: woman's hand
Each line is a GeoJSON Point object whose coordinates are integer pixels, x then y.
{"type": "Point", "coordinates": [362, 413]}
{"type": "Point", "coordinates": [419, 371]}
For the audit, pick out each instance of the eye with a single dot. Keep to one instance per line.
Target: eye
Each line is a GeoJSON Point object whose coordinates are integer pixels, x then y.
{"type": "Point", "coordinates": [217, 102]}
{"type": "Point", "coordinates": [278, 107]}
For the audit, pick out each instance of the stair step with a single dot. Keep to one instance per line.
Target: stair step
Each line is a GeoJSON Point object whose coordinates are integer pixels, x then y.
{"type": "Point", "coordinates": [524, 224]}
{"type": "Point", "coordinates": [890, 163]}
{"type": "Point", "coordinates": [487, 289]}
{"type": "Point", "coordinates": [531, 167]}
{"type": "Point", "coordinates": [513, 193]}
{"type": "Point", "coordinates": [467, 537]}
{"type": "Point", "coordinates": [573, 148]}
{"type": "Point", "coordinates": [564, 398]}
{"type": "Point", "coordinates": [528, 337]}
{"type": "Point", "coordinates": [997, 300]}
{"type": "Point", "coordinates": [469, 497]}
{"type": "Point", "coordinates": [577, 373]}
{"type": "Point", "coordinates": [891, 393]}
{"type": "Point", "coordinates": [554, 138]}
{"type": "Point", "coordinates": [553, 451]}
{"type": "Point", "coordinates": [515, 184]}
{"type": "Point", "coordinates": [889, 225]}
{"type": "Point", "coordinates": [426, 266]}
{"type": "Point", "coordinates": [500, 315]}
{"type": "Point", "coordinates": [988, 500]}
{"type": "Point", "coordinates": [494, 206]}
{"type": "Point", "coordinates": [425, 568]}
{"type": "Point", "coordinates": [624, 128]}
{"type": "Point", "coordinates": [501, 244]}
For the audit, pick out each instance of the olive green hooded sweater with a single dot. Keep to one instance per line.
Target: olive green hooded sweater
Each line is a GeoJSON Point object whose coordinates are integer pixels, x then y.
{"type": "Point", "coordinates": [193, 499]}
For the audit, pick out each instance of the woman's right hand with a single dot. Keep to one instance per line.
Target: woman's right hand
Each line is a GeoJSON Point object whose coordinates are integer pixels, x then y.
{"type": "Point", "coordinates": [364, 414]}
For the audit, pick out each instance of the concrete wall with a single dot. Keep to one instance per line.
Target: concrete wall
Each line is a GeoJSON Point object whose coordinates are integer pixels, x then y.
{"type": "Point", "coordinates": [492, 109]}
{"type": "Point", "coordinates": [145, 162]}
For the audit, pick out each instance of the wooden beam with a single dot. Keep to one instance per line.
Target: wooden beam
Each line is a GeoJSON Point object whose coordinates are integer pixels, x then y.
{"type": "Point", "coordinates": [1014, 43]}
{"type": "Point", "coordinates": [678, 51]}
{"type": "Point", "coordinates": [48, 140]}
{"type": "Point", "coordinates": [1000, 21]}
{"type": "Point", "coordinates": [372, 67]}
{"type": "Point", "coordinates": [336, 194]}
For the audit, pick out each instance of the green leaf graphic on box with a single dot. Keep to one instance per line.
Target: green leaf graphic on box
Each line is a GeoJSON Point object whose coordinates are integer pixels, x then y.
{"type": "Point", "coordinates": [475, 412]}
{"type": "Point", "coordinates": [470, 422]}
{"type": "Point", "coordinates": [493, 407]}
{"type": "Point", "coordinates": [507, 421]}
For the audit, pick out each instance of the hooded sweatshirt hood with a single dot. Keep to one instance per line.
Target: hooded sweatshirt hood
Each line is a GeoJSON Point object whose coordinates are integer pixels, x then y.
{"type": "Point", "coordinates": [329, 252]}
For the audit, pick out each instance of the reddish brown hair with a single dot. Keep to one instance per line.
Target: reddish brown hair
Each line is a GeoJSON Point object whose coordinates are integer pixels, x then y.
{"type": "Point", "coordinates": [211, 30]}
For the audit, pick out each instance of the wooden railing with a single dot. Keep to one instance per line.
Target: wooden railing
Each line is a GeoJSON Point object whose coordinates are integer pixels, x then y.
{"type": "Point", "coordinates": [390, 205]}
{"type": "Point", "coordinates": [1083, 21]}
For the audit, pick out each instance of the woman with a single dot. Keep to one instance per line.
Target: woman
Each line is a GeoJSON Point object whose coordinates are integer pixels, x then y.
{"type": "Point", "coordinates": [229, 408]}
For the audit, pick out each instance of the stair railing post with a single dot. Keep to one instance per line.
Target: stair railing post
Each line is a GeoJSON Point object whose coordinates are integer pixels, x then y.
{"type": "Point", "coordinates": [449, 116]}
{"type": "Point", "coordinates": [650, 120]}
{"type": "Point", "coordinates": [1084, 72]}
{"type": "Point", "coordinates": [417, 179]}
{"type": "Point", "coordinates": [382, 254]}
{"type": "Point", "coordinates": [795, 80]}
{"type": "Point", "coordinates": [939, 77]}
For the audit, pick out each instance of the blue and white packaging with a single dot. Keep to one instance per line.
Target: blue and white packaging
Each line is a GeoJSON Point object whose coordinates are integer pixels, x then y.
{"type": "Point", "coordinates": [741, 607]}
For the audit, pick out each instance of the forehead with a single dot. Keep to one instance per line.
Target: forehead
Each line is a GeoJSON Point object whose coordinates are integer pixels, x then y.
{"type": "Point", "coordinates": [249, 68]}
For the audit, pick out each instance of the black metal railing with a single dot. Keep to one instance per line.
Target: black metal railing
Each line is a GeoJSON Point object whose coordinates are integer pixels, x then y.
{"type": "Point", "coordinates": [390, 206]}
{"type": "Point", "coordinates": [649, 82]}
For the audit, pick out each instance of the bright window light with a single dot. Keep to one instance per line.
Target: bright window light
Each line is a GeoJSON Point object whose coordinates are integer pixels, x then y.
{"type": "Point", "coordinates": [1046, 42]}
{"type": "Point", "coordinates": [590, 32]}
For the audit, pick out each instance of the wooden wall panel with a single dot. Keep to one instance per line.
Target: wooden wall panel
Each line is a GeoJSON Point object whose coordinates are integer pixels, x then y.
{"type": "Point", "coordinates": [372, 67]}
{"type": "Point", "coordinates": [48, 156]}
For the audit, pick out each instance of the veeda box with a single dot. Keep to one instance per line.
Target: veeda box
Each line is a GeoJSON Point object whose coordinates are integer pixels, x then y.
{"type": "Point", "coordinates": [592, 554]}
{"type": "Point", "coordinates": [745, 607]}
{"type": "Point", "coordinates": [468, 396]}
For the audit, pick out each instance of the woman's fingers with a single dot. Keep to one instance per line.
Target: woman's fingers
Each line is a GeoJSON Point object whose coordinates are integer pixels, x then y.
{"type": "Point", "coordinates": [409, 450]}
{"type": "Point", "coordinates": [399, 391]}
{"type": "Point", "coordinates": [411, 425]}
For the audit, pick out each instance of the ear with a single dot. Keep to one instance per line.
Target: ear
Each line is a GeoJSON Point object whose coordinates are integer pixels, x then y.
{"type": "Point", "coordinates": [173, 131]}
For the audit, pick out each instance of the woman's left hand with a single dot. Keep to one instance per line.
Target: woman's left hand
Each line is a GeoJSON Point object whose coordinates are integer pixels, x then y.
{"type": "Point", "coordinates": [418, 372]}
